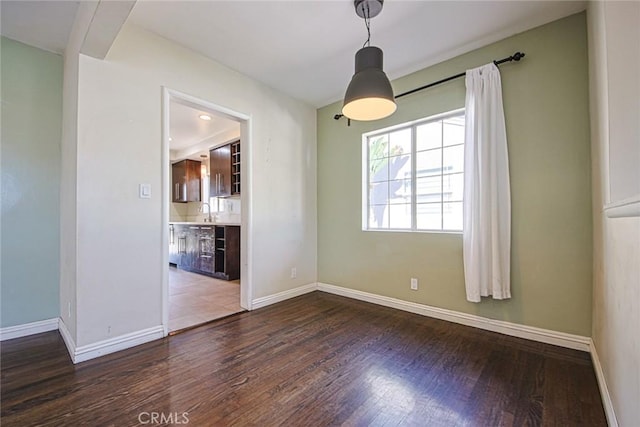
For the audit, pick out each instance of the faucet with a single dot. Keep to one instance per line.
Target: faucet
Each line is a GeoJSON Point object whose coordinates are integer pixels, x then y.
{"type": "Point", "coordinates": [208, 219]}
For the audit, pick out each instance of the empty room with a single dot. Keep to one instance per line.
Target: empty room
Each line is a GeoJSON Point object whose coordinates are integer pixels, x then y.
{"type": "Point", "coordinates": [319, 213]}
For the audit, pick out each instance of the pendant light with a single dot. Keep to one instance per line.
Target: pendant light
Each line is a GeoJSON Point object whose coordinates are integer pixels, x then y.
{"type": "Point", "coordinates": [369, 95]}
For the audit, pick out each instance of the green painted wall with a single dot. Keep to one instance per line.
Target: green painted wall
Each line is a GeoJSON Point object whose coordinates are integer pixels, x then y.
{"type": "Point", "coordinates": [30, 162]}
{"type": "Point", "coordinates": [546, 109]}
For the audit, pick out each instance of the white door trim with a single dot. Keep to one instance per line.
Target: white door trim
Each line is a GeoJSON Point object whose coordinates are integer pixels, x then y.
{"type": "Point", "coordinates": [246, 276]}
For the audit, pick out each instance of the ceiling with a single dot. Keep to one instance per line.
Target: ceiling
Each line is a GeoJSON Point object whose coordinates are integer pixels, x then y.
{"type": "Point", "coordinates": [187, 129]}
{"type": "Point", "coordinates": [43, 24]}
{"type": "Point", "coordinates": [304, 48]}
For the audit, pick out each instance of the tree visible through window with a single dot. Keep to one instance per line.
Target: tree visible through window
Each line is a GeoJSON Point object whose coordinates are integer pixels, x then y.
{"type": "Point", "coordinates": [414, 175]}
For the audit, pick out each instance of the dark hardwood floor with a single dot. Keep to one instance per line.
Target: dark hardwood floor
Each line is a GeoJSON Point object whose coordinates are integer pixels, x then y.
{"type": "Point", "coordinates": [315, 360]}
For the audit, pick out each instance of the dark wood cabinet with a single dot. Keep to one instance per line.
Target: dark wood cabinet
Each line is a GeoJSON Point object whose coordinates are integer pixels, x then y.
{"type": "Point", "coordinates": [227, 252]}
{"type": "Point", "coordinates": [220, 175]}
{"type": "Point", "coordinates": [185, 178]}
{"type": "Point", "coordinates": [225, 170]}
{"type": "Point", "coordinates": [213, 250]}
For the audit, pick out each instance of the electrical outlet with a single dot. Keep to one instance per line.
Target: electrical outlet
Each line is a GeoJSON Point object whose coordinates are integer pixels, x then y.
{"type": "Point", "coordinates": [414, 284]}
{"type": "Point", "coordinates": [294, 273]}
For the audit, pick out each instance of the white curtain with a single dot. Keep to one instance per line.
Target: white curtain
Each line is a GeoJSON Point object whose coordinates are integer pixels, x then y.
{"type": "Point", "coordinates": [487, 199]}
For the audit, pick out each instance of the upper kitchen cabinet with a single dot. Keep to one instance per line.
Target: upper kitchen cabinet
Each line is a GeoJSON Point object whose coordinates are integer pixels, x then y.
{"type": "Point", "coordinates": [185, 177]}
{"type": "Point", "coordinates": [225, 170]}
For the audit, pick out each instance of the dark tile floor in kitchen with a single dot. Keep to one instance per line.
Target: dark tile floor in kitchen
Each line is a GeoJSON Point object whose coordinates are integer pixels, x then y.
{"type": "Point", "coordinates": [195, 299]}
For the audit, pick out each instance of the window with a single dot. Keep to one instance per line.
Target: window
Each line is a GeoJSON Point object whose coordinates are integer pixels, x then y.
{"type": "Point", "coordinates": [413, 175]}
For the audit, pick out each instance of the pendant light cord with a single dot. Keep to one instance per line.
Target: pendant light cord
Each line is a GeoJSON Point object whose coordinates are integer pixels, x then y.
{"type": "Point", "coordinates": [367, 20]}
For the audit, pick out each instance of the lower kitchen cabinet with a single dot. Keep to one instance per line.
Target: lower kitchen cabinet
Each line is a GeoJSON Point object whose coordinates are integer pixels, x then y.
{"type": "Point", "coordinates": [227, 252]}
{"type": "Point", "coordinates": [213, 250]}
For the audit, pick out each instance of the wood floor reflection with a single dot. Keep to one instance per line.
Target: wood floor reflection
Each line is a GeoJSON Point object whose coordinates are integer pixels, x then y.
{"type": "Point", "coordinates": [195, 299]}
{"type": "Point", "coordinates": [315, 360]}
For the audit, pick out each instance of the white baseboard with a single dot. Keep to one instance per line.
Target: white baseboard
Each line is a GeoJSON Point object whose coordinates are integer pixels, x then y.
{"type": "Point", "coordinates": [68, 339]}
{"type": "Point", "coordinates": [604, 390]}
{"type": "Point", "coordinates": [101, 348]}
{"type": "Point", "coordinates": [561, 339]}
{"type": "Point", "coordinates": [27, 329]}
{"type": "Point", "coordinates": [284, 295]}
{"type": "Point", "coordinates": [122, 342]}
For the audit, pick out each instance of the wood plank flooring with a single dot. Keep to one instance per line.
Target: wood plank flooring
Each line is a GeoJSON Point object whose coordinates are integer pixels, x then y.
{"type": "Point", "coordinates": [195, 299]}
{"type": "Point", "coordinates": [315, 360]}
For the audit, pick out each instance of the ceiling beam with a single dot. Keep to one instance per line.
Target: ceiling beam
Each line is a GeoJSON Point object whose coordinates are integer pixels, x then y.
{"type": "Point", "coordinates": [97, 25]}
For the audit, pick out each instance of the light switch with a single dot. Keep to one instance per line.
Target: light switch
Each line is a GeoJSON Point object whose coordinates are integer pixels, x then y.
{"type": "Point", "coordinates": [145, 191]}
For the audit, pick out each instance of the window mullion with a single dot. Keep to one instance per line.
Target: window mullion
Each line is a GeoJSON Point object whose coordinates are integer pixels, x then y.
{"type": "Point", "coordinates": [388, 208]}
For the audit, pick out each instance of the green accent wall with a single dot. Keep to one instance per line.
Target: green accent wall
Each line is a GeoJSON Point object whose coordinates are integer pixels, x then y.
{"type": "Point", "coordinates": [31, 91]}
{"type": "Point", "coordinates": [546, 103]}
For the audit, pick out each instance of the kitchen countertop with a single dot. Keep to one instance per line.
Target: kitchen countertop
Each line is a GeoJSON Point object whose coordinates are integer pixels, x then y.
{"type": "Point", "coordinates": [203, 223]}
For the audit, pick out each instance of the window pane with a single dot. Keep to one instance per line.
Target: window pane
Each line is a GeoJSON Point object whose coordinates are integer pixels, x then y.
{"type": "Point", "coordinates": [400, 167]}
{"type": "Point", "coordinates": [428, 190]}
{"type": "Point", "coordinates": [452, 216]}
{"type": "Point", "coordinates": [400, 142]}
{"type": "Point", "coordinates": [436, 174]}
{"type": "Point", "coordinates": [429, 216]}
{"type": "Point", "coordinates": [453, 159]}
{"type": "Point", "coordinates": [379, 146]}
{"type": "Point", "coordinates": [400, 216]}
{"type": "Point", "coordinates": [429, 136]}
{"type": "Point", "coordinates": [452, 133]}
{"type": "Point", "coordinates": [429, 163]}
{"type": "Point", "coordinates": [379, 170]}
{"type": "Point", "coordinates": [400, 191]}
{"type": "Point", "coordinates": [379, 193]}
{"type": "Point", "coordinates": [452, 186]}
{"type": "Point", "coordinates": [378, 216]}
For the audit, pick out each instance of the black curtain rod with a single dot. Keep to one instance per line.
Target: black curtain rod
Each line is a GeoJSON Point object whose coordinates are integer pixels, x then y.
{"type": "Point", "coordinates": [515, 57]}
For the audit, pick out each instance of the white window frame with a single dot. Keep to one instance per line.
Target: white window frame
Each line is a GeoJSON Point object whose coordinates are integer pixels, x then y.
{"type": "Point", "coordinates": [365, 173]}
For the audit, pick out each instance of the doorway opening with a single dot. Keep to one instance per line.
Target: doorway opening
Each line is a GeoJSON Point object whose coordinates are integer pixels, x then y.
{"type": "Point", "coordinates": [205, 239]}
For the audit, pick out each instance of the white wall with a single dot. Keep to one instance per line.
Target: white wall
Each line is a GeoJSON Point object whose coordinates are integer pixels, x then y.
{"type": "Point", "coordinates": [616, 291]}
{"type": "Point", "coordinates": [69, 161]}
{"type": "Point", "coordinates": [119, 146]}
